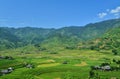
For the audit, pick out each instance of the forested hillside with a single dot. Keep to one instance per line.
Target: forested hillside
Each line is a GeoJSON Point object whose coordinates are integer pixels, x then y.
{"type": "Point", "coordinates": [17, 37]}
{"type": "Point", "coordinates": [109, 41]}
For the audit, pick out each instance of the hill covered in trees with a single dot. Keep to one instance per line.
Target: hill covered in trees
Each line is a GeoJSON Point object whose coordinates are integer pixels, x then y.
{"type": "Point", "coordinates": [17, 37]}
{"type": "Point", "coordinates": [109, 41]}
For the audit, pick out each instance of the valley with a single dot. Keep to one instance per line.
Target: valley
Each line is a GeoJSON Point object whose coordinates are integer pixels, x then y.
{"type": "Point", "coordinates": [73, 64]}
{"type": "Point", "coordinates": [66, 53]}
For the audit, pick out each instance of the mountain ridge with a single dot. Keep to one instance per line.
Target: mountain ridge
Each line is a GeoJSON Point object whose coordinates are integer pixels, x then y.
{"type": "Point", "coordinates": [73, 34]}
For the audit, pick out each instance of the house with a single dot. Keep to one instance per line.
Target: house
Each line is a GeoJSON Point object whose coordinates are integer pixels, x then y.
{"type": "Point", "coordinates": [29, 66]}
{"type": "Point", "coordinates": [10, 69]}
{"type": "Point", "coordinates": [6, 71]}
{"type": "Point", "coordinates": [104, 68]}
{"type": "Point", "coordinates": [107, 68]}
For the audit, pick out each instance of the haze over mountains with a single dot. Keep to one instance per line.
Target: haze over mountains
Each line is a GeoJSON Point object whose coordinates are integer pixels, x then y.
{"type": "Point", "coordinates": [17, 37]}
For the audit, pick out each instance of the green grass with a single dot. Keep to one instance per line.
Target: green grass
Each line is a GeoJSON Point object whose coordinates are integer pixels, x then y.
{"type": "Point", "coordinates": [50, 66]}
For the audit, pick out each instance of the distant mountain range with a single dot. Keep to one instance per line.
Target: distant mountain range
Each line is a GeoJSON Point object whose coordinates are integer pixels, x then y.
{"type": "Point", "coordinates": [17, 37]}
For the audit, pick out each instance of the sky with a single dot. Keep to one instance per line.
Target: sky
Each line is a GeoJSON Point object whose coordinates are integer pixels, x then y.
{"type": "Point", "coordinates": [56, 13]}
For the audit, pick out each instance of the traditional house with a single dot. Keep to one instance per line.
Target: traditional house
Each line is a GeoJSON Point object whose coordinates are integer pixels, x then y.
{"type": "Point", "coordinates": [29, 66]}
{"type": "Point", "coordinates": [10, 69]}
{"type": "Point", "coordinates": [107, 68]}
{"type": "Point", "coordinates": [104, 68]}
{"type": "Point", "coordinates": [6, 71]}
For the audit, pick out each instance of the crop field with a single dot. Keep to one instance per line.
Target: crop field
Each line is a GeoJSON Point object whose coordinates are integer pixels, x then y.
{"type": "Point", "coordinates": [65, 64]}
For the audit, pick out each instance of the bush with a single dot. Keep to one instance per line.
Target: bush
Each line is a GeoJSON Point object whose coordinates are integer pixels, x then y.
{"type": "Point", "coordinates": [70, 47]}
{"type": "Point", "coordinates": [104, 64]}
{"type": "Point", "coordinates": [65, 62]}
{"type": "Point", "coordinates": [91, 74]}
{"type": "Point", "coordinates": [114, 51]}
{"type": "Point", "coordinates": [53, 52]}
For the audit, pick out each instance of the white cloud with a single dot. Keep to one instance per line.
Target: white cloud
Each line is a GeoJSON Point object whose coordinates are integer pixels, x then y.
{"type": "Point", "coordinates": [102, 15]}
{"type": "Point", "coordinates": [116, 10]}
{"type": "Point", "coordinates": [110, 12]}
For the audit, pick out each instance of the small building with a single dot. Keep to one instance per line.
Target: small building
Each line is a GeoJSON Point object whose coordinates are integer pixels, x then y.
{"type": "Point", "coordinates": [6, 71]}
{"type": "Point", "coordinates": [29, 66]}
{"type": "Point", "coordinates": [107, 68]}
{"type": "Point", "coordinates": [103, 68]}
{"type": "Point", "coordinates": [10, 69]}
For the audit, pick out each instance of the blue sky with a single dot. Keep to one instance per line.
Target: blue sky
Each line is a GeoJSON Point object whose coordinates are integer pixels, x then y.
{"type": "Point", "coordinates": [56, 13]}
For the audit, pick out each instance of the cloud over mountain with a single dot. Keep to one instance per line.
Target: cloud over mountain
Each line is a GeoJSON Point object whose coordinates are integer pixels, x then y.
{"type": "Point", "coordinates": [102, 15]}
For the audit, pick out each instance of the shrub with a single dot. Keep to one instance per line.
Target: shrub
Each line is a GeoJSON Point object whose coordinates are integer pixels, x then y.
{"type": "Point", "coordinates": [114, 51]}
{"type": "Point", "coordinates": [91, 74]}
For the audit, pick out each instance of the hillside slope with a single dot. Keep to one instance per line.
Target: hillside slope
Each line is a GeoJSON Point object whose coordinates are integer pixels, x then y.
{"type": "Point", "coordinates": [17, 37]}
{"type": "Point", "coordinates": [109, 41]}
{"type": "Point", "coordinates": [112, 38]}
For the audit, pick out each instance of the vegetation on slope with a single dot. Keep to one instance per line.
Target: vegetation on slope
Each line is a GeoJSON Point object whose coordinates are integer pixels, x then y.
{"type": "Point", "coordinates": [17, 37]}
{"type": "Point", "coordinates": [109, 41]}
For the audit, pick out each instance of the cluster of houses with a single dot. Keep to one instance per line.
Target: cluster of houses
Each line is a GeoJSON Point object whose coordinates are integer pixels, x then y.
{"type": "Point", "coordinates": [103, 68]}
{"type": "Point", "coordinates": [107, 67]}
{"type": "Point", "coordinates": [6, 71]}
{"type": "Point", "coordinates": [11, 69]}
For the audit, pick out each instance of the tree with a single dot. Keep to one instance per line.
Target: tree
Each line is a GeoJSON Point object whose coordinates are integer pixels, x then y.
{"type": "Point", "coordinates": [114, 51]}
{"type": "Point", "coordinates": [91, 74]}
